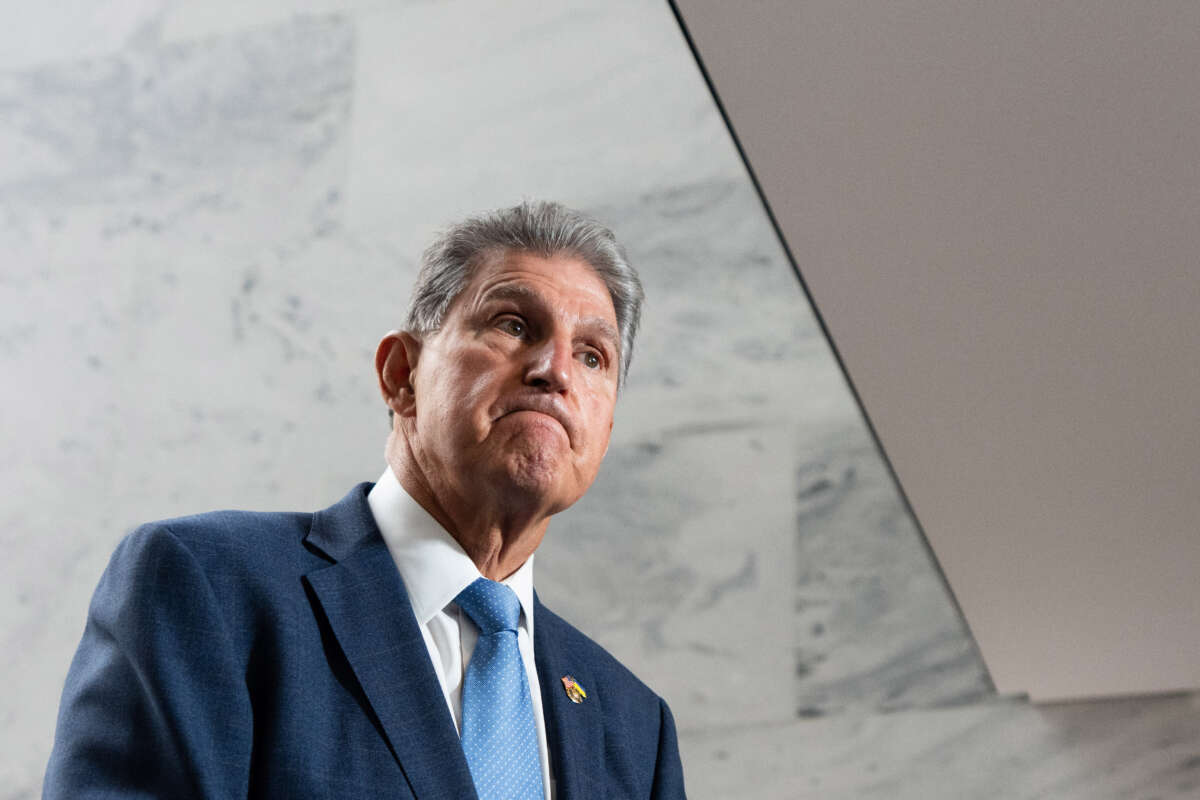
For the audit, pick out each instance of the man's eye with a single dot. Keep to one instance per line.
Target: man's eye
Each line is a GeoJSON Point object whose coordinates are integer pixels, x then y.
{"type": "Point", "coordinates": [512, 326]}
{"type": "Point", "coordinates": [591, 360]}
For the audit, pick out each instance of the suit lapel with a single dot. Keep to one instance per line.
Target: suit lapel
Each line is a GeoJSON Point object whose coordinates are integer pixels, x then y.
{"type": "Point", "coordinates": [574, 731]}
{"type": "Point", "coordinates": [369, 613]}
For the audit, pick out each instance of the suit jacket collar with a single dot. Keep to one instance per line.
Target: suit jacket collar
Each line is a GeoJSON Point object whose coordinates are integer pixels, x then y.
{"type": "Point", "coordinates": [344, 527]}
{"type": "Point", "coordinates": [363, 600]}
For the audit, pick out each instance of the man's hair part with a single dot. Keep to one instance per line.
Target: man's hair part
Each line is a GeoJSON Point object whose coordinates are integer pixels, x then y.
{"type": "Point", "coordinates": [544, 229]}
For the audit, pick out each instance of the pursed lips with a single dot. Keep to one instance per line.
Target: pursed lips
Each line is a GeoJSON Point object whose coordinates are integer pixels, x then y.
{"type": "Point", "coordinates": [549, 409]}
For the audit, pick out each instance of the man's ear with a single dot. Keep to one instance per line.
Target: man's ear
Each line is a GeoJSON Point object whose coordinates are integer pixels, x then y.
{"type": "Point", "coordinates": [395, 360]}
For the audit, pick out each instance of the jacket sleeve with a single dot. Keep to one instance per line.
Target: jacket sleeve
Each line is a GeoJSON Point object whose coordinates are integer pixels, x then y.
{"type": "Point", "coordinates": [155, 702]}
{"type": "Point", "coordinates": [668, 769]}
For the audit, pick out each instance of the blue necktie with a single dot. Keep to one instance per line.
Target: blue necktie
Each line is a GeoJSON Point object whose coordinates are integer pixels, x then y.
{"type": "Point", "coordinates": [498, 733]}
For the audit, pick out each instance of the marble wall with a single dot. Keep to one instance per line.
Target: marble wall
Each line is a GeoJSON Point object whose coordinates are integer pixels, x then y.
{"type": "Point", "coordinates": [211, 212]}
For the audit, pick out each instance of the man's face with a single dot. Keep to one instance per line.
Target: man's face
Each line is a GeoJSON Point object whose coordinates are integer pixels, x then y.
{"type": "Point", "coordinates": [514, 395]}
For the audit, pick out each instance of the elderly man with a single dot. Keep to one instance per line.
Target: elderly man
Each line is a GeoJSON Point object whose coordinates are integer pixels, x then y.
{"type": "Point", "coordinates": [392, 645]}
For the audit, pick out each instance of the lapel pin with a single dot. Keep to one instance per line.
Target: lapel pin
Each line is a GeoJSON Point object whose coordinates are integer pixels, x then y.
{"type": "Point", "coordinates": [574, 690]}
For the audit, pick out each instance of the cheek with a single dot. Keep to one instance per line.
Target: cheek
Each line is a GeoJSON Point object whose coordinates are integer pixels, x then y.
{"type": "Point", "coordinates": [601, 417]}
{"type": "Point", "coordinates": [475, 389]}
{"type": "Point", "coordinates": [460, 399]}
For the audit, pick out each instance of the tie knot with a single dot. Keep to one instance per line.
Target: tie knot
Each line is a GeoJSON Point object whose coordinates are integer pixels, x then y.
{"type": "Point", "coordinates": [491, 606]}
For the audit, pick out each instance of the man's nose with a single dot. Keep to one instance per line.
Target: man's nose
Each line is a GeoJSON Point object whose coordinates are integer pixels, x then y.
{"type": "Point", "coordinates": [550, 365]}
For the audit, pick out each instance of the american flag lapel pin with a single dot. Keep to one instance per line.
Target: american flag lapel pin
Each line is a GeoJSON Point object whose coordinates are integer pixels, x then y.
{"type": "Point", "coordinates": [573, 689]}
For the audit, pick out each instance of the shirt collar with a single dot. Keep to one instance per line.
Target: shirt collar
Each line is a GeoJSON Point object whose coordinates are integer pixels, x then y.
{"type": "Point", "coordinates": [433, 566]}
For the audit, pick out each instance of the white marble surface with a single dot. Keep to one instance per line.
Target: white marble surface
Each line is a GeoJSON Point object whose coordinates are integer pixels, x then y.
{"type": "Point", "coordinates": [210, 216]}
{"type": "Point", "coordinates": [1002, 750]}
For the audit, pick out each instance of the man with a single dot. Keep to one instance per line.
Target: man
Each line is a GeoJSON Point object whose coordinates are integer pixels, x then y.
{"type": "Point", "coordinates": [391, 645]}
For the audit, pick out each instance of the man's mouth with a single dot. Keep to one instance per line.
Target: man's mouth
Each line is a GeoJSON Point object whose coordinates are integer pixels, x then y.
{"type": "Point", "coordinates": [546, 412]}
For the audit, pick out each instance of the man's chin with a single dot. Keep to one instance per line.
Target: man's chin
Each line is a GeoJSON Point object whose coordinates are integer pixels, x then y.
{"type": "Point", "coordinates": [534, 478]}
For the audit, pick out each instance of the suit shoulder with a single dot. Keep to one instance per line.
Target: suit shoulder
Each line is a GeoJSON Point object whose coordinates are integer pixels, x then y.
{"type": "Point", "coordinates": [221, 542]}
{"type": "Point", "coordinates": [200, 532]}
{"type": "Point", "coordinates": [229, 524]}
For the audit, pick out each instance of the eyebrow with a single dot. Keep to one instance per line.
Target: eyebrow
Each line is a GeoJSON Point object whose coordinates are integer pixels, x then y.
{"type": "Point", "coordinates": [517, 292]}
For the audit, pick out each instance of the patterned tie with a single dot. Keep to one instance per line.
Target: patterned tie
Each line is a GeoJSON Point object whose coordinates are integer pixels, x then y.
{"type": "Point", "coordinates": [498, 733]}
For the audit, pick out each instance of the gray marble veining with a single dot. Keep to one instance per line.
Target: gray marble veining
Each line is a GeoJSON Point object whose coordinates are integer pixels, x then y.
{"type": "Point", "coordinates": [877, 626]}
{"type": "Point", "coordinates": [139, 190]}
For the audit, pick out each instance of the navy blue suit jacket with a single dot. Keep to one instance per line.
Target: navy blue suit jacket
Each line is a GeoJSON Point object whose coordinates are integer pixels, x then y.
{"type": "Point", "coordinates": [239, 654]}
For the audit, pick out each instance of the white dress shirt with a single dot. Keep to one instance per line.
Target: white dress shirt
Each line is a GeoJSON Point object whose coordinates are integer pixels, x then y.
{"type": "Point", "coordinates": [435, 569]}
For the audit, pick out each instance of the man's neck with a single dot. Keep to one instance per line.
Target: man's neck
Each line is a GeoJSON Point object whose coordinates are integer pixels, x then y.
{"type": "Point", "coordinates": [499, 540]}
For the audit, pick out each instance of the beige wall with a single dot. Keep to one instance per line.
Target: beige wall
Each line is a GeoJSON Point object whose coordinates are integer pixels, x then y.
{"type": "Point", "coordinates": [996, 208]}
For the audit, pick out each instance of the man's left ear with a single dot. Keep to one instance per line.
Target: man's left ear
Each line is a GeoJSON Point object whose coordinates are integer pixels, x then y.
{"type": "Point", "coordinates": [395, 361]}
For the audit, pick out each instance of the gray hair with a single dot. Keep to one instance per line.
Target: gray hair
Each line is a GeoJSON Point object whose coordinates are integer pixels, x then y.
{"type": "Point", "coordinates": [542, 228]}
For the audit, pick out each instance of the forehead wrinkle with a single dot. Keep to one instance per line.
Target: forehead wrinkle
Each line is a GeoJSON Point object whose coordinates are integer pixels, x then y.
{"type": "Point", "coordinates": [512, 291]}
